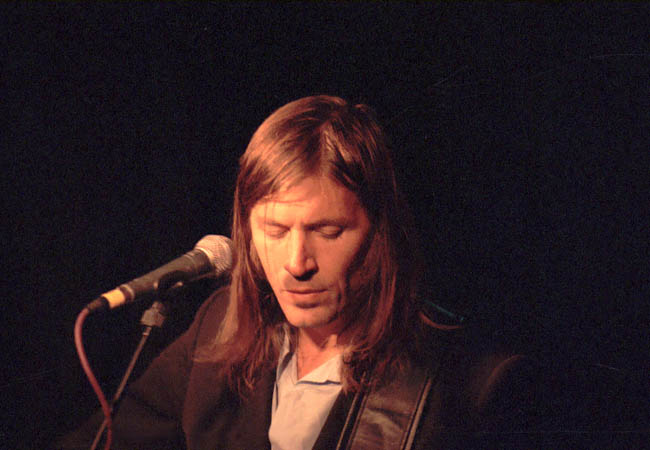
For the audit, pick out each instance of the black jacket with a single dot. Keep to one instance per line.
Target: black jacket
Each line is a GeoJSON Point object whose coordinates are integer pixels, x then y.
{"type": "Point", "coordinates": [476, 399]}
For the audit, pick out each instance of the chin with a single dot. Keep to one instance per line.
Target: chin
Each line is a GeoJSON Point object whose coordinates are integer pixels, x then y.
{"type": "Point", "coordinates": [309, 323]}
{"type": "Point", "coordinates": [311, 319]}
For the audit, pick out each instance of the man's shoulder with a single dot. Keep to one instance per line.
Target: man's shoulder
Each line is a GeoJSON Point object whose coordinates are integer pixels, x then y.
{"type": "Point", "coordinates": [442, 386]}
{"type": "Point", "coordinates": [213, 310]}
{"type": "Point", "coordinates": [469, 377]}
{"type": "Point", "coordinates": [452, 343]}
{"type": "Point", "coordinates": [210, 316]}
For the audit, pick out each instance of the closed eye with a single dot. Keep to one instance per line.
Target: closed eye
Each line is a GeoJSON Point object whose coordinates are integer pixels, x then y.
{"type": "Point", "coordinates": [330, 232]}
{"type": "Point", "coordinates": [275, 231]}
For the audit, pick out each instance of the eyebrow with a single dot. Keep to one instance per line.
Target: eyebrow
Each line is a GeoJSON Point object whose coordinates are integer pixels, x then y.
{"type": "Point", "coordinates": [339, 222]}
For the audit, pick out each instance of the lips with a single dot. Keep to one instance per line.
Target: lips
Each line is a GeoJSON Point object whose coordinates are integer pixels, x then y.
{"type": "Point", "coordinates": [305, 291]}
{"type": "Point", "coordinates": [305, 298]}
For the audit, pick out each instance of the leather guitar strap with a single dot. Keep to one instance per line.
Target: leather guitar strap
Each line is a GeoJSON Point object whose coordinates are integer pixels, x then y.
{"type": "Point", "coordinates": [388, 417]}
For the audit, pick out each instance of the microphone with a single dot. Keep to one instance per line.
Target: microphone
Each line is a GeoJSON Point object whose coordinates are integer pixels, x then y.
{"type": "Point", "coordinates": [211, 257]}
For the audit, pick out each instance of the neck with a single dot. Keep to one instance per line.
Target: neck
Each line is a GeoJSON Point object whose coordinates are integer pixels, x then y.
{"type": "Point", "coordinates": [316, 348]}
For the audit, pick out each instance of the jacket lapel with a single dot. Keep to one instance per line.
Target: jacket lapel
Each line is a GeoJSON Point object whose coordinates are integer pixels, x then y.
{"type": "Point", "coordinates": [217, 418]}
{"type": "Point", "coordinates": [251, 426]}
{"type": "Point", "coordinates": [335, 422]}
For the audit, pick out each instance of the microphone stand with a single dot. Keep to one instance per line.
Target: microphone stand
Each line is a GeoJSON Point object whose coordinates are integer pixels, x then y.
{"type": "Point", "coordinates": [153, 317]}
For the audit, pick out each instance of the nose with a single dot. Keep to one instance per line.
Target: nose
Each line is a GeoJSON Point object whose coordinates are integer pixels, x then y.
{"type": "Point", "coordinates": [301, 263]}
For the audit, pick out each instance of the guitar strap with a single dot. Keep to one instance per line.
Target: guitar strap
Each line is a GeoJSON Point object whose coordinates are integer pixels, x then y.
{"type": "Point", "coordinates": [387, 418]}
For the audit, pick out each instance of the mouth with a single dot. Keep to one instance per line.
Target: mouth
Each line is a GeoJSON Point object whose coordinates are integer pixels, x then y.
{"type": "Point", "coordinates": [305, 291]}
{"type": "Point", "coordinates": [305, 298]}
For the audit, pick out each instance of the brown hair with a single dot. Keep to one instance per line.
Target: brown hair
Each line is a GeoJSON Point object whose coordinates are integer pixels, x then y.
{"type": "Point", "coordinates": [321, 135]}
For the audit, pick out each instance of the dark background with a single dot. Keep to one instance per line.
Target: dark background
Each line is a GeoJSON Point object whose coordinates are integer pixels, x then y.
{"type": "Point", "coordinates": [520, 132]}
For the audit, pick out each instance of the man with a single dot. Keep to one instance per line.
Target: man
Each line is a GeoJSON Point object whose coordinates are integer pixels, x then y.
{"type": "Point", "coordinates": [318, 341]}
{"type": "Point", "coordinates": [323, 274]}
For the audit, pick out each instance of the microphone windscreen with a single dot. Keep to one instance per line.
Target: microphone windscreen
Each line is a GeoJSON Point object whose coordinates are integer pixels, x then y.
{"type": "Point", "coordinates": [218, 250]}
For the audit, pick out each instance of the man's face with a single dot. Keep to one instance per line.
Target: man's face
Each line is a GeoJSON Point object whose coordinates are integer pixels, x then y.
{"type": "Point", "coordinates": [307, 238]}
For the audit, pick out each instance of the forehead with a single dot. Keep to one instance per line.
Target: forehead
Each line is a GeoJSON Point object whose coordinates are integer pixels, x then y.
{"type": "Point", "coordinates": [313, 198]}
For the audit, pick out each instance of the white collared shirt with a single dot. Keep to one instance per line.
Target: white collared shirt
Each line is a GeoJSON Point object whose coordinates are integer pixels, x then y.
{"type": "Point", "coordinates": [300, 407]}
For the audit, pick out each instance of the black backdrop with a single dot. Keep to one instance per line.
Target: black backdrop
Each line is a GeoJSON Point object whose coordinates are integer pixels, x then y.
{"type": "Point", "coordinates": [520, 132]}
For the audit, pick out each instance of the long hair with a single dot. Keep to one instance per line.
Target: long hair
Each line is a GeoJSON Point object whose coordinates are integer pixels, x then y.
{"type": "Point", "coordinates": [326, 136]}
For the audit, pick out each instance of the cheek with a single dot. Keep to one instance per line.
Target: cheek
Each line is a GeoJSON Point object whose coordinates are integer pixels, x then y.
{"type": "Point", "coordinates": [338, 265]}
